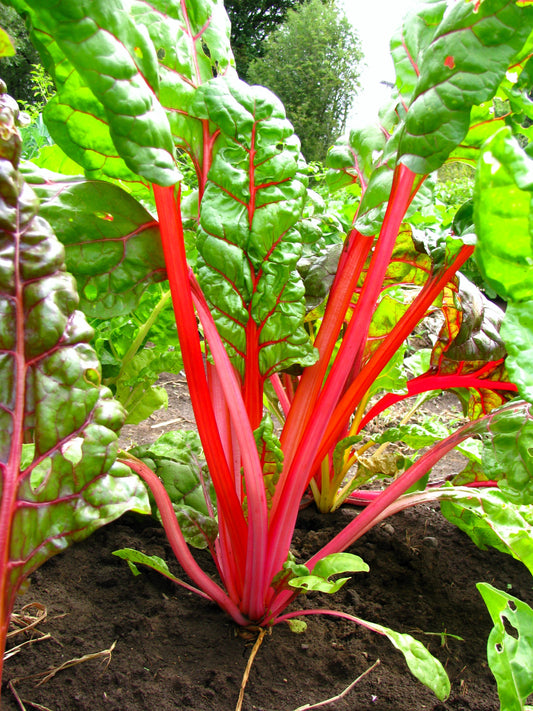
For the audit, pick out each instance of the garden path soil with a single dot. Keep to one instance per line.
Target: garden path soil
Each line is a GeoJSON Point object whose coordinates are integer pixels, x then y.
{"type": "Point", "coordinates": [175, 651]}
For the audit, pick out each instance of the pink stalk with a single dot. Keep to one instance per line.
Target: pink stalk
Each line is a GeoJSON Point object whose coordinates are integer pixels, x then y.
{"type": "Point", "coordinates": [375, 511]}
{"type": "Point", "coordinates": [225, 562]}
{"type": "Point", "coordinates": [365, 520]}
{"type": "Point", "coordinates": [178, 544]}
{"type": "Point", "coordinates": [10, 471]}
{"type": "Point", "coordinates": [281, 394]}
{"type": "Point", "coordinates": [311, 382]}
{"type": "Point", "coordinates": [255, 583]}
{"type": "Point", "coordinates": [331, 613]}
{"type": "Point", "coordinates": [363, 497]}
{"type": "Point", "coordinates": [174, 250]}
{"type": "Point", "coordinates": [296, 475]}
{"type": "Point", "coordinates": [384, 353]}
{"type": "Point", "coordinates": [428, 381]}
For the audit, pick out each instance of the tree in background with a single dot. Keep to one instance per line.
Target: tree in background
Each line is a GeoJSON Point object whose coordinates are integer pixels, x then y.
{"type": "Point", "coordinates": [16, 70]}
{"type": "Point", "coordinates": [312, 63]}
{"type": "Point", "coordinates": [252, 21]}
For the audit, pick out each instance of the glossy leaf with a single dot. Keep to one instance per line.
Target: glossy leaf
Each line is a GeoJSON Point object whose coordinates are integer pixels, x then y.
{"type": "Point", "coordinates": [462, 66]}
{"type": "Point", "coordinates": [410, 41]}
{"type": "Point", "coordinates": [490, 519]}
{"type": "Point", "coordinates": [353, 161]}
{"type": "Point", "coordinates": [509, 652]}
{"type": "Point", "coordinates": [334, 564]}
{"type": "Point", "coordinates": [116, 78]}
{"type": "Point", "coordinates": [112, 243]}
{"type": "Point", "coordinates": [247, 242]}
{"type": "Point", "coordinates": [125, 76]}
{"type": "Point", "coordinates": [517, 330]}
{"type": "Point", "coordinates": [502, 208]}
{"type": "Point", "coordinates": [508, 452]}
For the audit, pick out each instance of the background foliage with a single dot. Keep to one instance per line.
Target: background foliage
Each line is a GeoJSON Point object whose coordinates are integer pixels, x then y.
{"type": "Point", "coordinates": [252, 21]}
{"type": "Point", "coordinates": [312, 63]}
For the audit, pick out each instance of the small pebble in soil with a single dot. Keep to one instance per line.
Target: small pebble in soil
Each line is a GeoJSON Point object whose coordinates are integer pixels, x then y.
{"type": "Point", "coordinates": [388, 528]}
{"type": "Point", "coordinates": [431, 542]}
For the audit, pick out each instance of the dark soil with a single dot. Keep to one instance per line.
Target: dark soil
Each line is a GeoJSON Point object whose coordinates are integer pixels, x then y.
{"type": "Point", "coordinates": [177, 651]}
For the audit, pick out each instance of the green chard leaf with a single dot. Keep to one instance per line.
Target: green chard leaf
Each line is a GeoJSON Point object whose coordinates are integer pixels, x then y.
{"type": "Point", "coordinates": [252, 201]}
{"type": "Point", "coordinates": [178, 460]}
{"type": "Point", "coordinates": [112, 243]}
{"type": "Point", "coordinates": [135, 558]}
{"type": "Point", "coordinates": [490, 519]}
{"type": "Point", "coordinates": [502, 215]}
{"type": "Point", "coordinates": [503, 211]}
{"type": "Point", "coordinates": [462, 66]}
{"type": "Point", "coordinates": [422, 664]}
{"type": "Point", "coordinates": [318, 579]}
{"type": "Point", "coordinates": [411, 40]}
{"type": "Point", "coordinates": [66, 483]}
{"type": "Point", "coordinates": [106, 72]}
{"type": "Point", "coordinates": [517, 332]}
{"type": "Point", "coordinates": [509, 652]}
{"type": "Point", "coordinates": [125, 75]}
{"type": "Point", "coordinates": [506, 435]}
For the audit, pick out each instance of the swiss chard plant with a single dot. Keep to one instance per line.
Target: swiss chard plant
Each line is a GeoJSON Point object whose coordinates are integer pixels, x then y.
{"type": "Point", "coordinates": [141, 84]}
{"type": "Point", "coordinates": [58, 426]}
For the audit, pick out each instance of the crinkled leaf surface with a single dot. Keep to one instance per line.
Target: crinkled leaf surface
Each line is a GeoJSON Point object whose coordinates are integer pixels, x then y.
{"type": "Point", "coordinates": [112, 243]}
{"type": "Point", "coordinates": [69, 483]}
{"type": "Point", "coordinates": [502, 212]}
{"type": "Point", "coordinates": [353, 161]}
{"type": "Point", "coordinates": [126, 73]}
{"type": "Point", "coordinates": [463, 65]}
{"type": "Point", "coordinates": [106, 70]}
{"type": "Point", "coordinates": [502, 209]}
{"type": "Point", "coordinates": [490, 519]}
{"type": "Point", "coordinates": [469, 342]}
{"type": "Point", "coordinates": [507, 452]}
{"type": "Point", "coordinates": [177, 458]}
{"type": "Point", "coordinates": [509, 653]}
{"type": "Point", "coordinates": [517, 331]}
{"type": "Point", "coordinates": [247, 243]}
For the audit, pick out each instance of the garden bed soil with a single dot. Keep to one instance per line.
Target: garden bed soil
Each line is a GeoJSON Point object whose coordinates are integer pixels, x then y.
{"type": "Point", "coordinates": [176, 651]}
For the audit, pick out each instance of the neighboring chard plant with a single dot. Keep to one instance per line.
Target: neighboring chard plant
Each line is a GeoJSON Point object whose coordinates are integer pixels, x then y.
{"type": "Point", "coordinates": [58, 427]}
{"type": "Point", "coordinates": [139, 84]}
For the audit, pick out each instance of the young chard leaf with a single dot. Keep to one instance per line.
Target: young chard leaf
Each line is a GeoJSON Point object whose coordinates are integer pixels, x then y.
{"type": "Point", "coordinates": [135, 558]}
{"type": "Point", "coordinates": [319, 578]}
{"type": "Point", "coordinates": [68, 483]}
{"type": "Point", "coordinates": [421, 663]}
{"type": "Point", "coordinates": [509, 653]}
